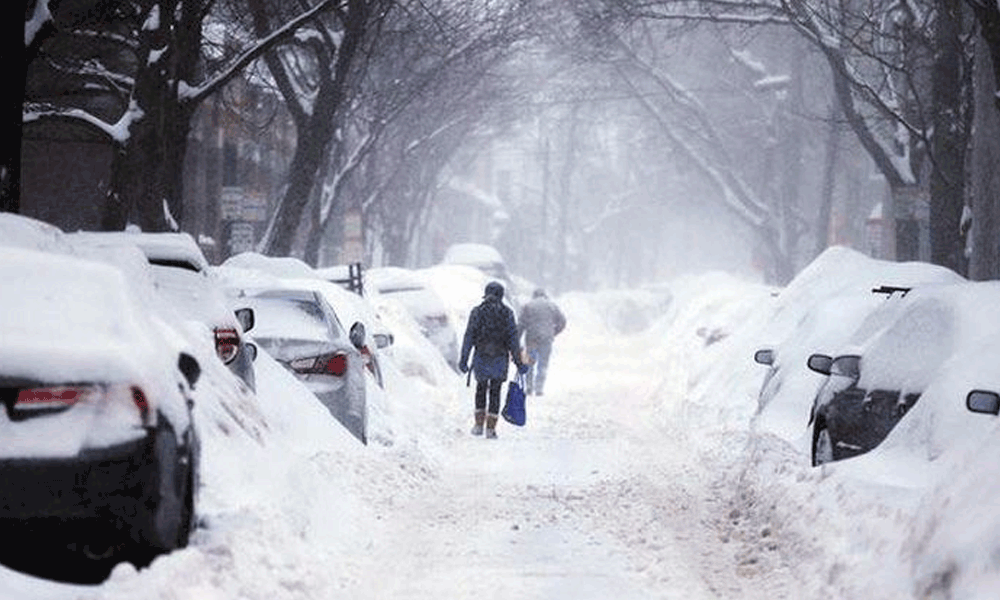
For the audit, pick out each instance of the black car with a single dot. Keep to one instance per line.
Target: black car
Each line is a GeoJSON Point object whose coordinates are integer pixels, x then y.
{"type": "Point", "coordinates": [100, 454]}
{"type": "Point", "coordinates": [848, 420]}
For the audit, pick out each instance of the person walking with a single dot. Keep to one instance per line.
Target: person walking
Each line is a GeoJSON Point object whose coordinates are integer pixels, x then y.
{"type": "Point", "coordinates": [492, 333]}
{"type": "Point", "coordinates": [540, 322]}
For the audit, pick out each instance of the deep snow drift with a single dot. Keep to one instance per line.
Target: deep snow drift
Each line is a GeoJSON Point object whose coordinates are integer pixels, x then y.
{"type": "Point", "coordinates": [648, 470]}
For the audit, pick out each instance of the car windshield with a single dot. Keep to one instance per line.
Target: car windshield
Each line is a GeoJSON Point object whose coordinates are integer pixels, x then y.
{"type": "Point", "coordinates": [846, 366]}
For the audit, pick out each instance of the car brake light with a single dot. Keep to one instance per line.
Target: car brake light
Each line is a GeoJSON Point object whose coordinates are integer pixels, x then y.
{"type": "Point", "coordinates": [227, 344]}
{"type": "Point", "coordinates": [38, 401]}
{"type": "Point", "coordinates": [326, 364]}
{"type": "Point", "coordinates": [141, 403]}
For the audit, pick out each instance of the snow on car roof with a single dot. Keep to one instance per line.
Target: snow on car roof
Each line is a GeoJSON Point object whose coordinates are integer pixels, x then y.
{"type": "Point", "coordinates": [389, 279]}
{"type": "Point", "coordinates": [173, 247]}
{"type": "Point", "coordinates": [472, 254]}
{"type": "Point", "coordinates": [68, 319]}
{"type": "Point", "coordinates": [277, 266]}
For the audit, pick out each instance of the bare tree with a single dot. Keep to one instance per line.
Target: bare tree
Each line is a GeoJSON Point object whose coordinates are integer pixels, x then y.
{"type": "Point", "coordinates": [427, 82]}
{"type": "Point", "coordinates": [882, 57]}
{"type": "Point", "coordinates": [132, 70]}
{"type": "Point", "coordinates": [313, 71]}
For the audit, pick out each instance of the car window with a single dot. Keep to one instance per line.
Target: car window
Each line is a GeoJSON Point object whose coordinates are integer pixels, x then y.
{"type": "Point", "coordinates": [175, 263]}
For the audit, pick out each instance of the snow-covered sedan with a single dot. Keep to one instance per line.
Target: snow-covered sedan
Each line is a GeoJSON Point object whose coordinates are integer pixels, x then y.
{"type": "Point", "coordinates": [99, 454]}
{"type": "Point", "coordinates": [300, 330]}
{"type": "Point", "coordinates": [182, 276]}
{"type": "Point", "coordinates": [897, 354]}
{"type": "Point", "coordinates": [422, 302]}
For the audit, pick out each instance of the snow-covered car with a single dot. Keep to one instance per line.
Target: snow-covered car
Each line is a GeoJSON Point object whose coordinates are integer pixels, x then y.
{"type": "Point", "coordinates": [181, 275]}
{"type": "Point", "coordinates": [100, 453]}
{"type": "Point", "coordinates": [302, 332]}
{"type": "Point", "coordinates": [873, 383]}
{"type": "Point", "coordinates": [481, 256]}
{"type": "Point", "coordinates": [250, 269]}
{"type": "Point", "coordinates": [351, 277]}
{"type": "Point", "coordinates": [488, 260]}
{"type": "Point", "coordinates": [352, 308]}
{"type": "Point", "coordinates": [422, 302]}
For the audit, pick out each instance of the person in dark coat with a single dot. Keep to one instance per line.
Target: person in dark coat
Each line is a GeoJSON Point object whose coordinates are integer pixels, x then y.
{"type": "Point", "coordinates": [540, 322]}
{"type": "Point", "coordinates": [492, 332]}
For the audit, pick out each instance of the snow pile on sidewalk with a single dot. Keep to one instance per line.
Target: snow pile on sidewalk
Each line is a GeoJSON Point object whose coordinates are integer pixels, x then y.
{"type": "Point", "coordinates": [912, 518]}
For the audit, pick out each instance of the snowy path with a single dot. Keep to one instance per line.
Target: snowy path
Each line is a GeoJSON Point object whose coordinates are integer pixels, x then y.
{"type": "Point", "coordinates": [589, 501]}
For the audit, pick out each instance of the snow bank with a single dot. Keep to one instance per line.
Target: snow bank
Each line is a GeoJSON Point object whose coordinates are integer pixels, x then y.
{"type": "Point", "coordinates": [912, 517]}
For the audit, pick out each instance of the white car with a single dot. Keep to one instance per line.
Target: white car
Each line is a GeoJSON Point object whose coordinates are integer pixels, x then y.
{"type": "Point", "coordinates": [300, 330]}
{"type": "Point", "coordinates": [422, 302]}
{"type": "Point", "coordinates": [182, 276]}
{"type": "Point", "coordinates": [250, 269]}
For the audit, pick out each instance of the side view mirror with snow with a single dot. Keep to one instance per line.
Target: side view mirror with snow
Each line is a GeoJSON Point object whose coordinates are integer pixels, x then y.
{"type": "Point", "coordinates": [764, 356]}
{"type": "Point", "coordinates": [984, 402]}
{"type": "Point", "coordinates": [252, 351]}
{"type": "Point", "coordinates": [246, 318]}
{"type": "Point", "coordinates": [357, 334]}
{"type": "Point", "coordinates": [820, 363]}
{"type": "Point", "coordinates": [383, 340]}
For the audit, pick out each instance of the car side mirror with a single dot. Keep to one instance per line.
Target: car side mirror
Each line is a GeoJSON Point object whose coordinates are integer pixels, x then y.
{"type": "Point", "coordinates": [764, 356]}
{"type": "Point", "coordinates": [357, 334]}
{"type": "Point", "coordinates": [251, 350]}
{"type": "Point", "coordinates": [189, 368]}
{"type": "Point", "coordinates": [383, 340]}
{"type": "Point", "coordinates": [820, 363]}
{"type": "Point", "coordinates": [981, 401]}
{"type": "Point", "coordinates": [246, 318]}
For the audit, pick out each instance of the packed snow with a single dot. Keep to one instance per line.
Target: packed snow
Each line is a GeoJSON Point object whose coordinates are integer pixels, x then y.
{"type": "Point", "coordinates": [662, 462]}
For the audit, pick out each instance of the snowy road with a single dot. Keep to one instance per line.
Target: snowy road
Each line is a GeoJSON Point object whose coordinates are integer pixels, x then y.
{"type": "Point", "coordinates": [591, 500]}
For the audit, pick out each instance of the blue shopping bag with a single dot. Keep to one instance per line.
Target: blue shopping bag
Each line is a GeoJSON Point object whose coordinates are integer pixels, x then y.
{"type": "Point", "coordinates": [513, 408]}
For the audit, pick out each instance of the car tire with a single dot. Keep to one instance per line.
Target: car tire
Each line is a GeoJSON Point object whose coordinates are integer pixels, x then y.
{"type": "Point", "coordinates": [172, 482]}
{"type": "Point", "coordinates": [822, 450]}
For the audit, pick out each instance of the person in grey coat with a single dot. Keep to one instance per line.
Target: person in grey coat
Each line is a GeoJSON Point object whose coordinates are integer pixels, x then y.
{"type": "Point", "coordinates": [540, 322]}
{"type": "Point", "coordinates": [492, 332]}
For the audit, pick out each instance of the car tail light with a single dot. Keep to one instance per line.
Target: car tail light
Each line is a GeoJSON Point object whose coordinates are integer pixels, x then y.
{"type": "Point", "coordinates": [38, 402]}
{"type": "Point", "coordinates": [141, 403]}
{"type": "Point", "coordinates": [227, 344]}
{"type": "Point", "coordinates": [326, 364]}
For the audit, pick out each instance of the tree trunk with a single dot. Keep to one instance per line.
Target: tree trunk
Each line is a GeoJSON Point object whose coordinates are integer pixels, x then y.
{"type": "Point", "coordinates": [947, 182]}
{"type": "Point", "coordinates": [148, 167]}
{"type": "Point", "coordinates": [315, 131]}
{"type": "Point", "coordinates": [791, 168]}
{"type": "Point", "coordinates": [565, 197]}
{"type": "Point", "coordinates": [984, 196]}
{"type": "Point", "coordinates": [829, 179]}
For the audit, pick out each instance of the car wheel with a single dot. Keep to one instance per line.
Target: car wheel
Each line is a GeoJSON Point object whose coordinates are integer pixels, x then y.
{"type": "Point", "coordinates": [822, 445]}
{"type": "Point", "coordinates": [172, 514]}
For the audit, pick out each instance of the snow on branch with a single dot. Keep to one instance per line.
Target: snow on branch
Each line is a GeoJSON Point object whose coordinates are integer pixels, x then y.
{"type": "Point", "coordinates": [39, 17]}
{"type": "Point", "coordinates": [736, 195]}
{"type": "Point", "coordinates": [197, 93]}
{"type": "Point", "coordinates": [118, 131]}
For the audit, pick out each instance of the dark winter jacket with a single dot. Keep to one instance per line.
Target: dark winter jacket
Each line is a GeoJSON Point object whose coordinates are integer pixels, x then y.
{"type": "Point", "coordinates": [492, 332]}
{"type": "Point", "coordinates": [540, 320]}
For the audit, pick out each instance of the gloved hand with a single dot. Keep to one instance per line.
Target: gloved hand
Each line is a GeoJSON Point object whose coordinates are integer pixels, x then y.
{"type": "Point", "coordinates": [463, 367]}
{"type": "Point", "coordinates": [522, 369]}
